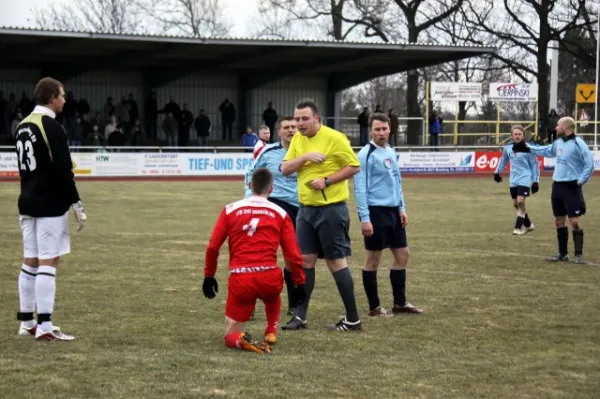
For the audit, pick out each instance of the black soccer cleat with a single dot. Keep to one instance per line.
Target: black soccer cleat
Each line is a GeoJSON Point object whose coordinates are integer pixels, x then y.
{"type": "Point", "coordinates": [345, 325]}
{"type": "Point", "coordinates": [558, 258]}
{"type": "Point", "coordinates": [295, 323]}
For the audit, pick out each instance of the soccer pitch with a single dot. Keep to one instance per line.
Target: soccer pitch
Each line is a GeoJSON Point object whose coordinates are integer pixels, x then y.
{"type": "Point", "coordinates": [498, 321]}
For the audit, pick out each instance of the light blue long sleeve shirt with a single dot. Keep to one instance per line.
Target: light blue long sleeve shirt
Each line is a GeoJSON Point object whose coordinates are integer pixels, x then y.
{"type": "Point", "coordinates": [379, 182]}
{"type": "Point", "coordinates": [285, 188]}
{"type": "Point", "coordinates": [574, 160]}
{"type": "Point", "coordinates": [524, 167]}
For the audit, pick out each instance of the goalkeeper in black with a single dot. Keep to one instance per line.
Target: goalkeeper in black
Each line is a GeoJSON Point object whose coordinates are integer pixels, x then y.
{"type": "Point", "coordinates": [48, 190]}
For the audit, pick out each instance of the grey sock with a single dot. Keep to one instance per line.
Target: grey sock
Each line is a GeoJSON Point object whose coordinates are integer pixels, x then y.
{"type": "Point", "coordinates": [345, 284]}
{"type": "Point", "coordinates": [309, 285]}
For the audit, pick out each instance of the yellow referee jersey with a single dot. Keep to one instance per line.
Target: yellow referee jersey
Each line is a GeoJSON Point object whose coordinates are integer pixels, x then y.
{"type": "Point", "coordinates": [339, 154]}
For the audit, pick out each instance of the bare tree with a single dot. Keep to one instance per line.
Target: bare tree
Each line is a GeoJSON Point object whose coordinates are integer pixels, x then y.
{"type": "Point", "coordinates": [192, 18]}
{"type": "Point", "coordinates": [101, 16]}
{"type": "Point", "coordinates": [339, 17]}
{"type": "Point", "coordinates": [530, 26]}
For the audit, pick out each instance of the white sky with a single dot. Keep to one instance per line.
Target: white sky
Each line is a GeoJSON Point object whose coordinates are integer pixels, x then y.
{"type": "Point", "coordinates": [17, 13]}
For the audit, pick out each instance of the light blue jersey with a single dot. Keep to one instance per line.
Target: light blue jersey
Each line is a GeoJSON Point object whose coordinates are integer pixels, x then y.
{"type": "Point", "coordinates": [574, 160]}
{"type": "Point", "coordinates": [524, 167]}
{"type": "Point", "coordinates": [379, 182]}
{"type": "Point", "coordinates": [285, 188]}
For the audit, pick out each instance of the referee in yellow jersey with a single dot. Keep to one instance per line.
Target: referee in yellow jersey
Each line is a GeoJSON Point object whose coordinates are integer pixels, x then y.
{"type": "Point", "coordinates": [324, 161]}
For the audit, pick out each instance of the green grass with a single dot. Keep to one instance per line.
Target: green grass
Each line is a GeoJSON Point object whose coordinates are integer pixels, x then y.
{"type": "Point", "coordinates": [498, 321]}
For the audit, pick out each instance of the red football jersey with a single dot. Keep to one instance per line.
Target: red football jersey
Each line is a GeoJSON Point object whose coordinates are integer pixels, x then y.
{"type": "Point", "coordinates": [255, 228]}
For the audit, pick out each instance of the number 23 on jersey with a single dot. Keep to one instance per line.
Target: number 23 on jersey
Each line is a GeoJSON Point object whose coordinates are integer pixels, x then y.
{"type": "Point", "coordinates": [25, 155]}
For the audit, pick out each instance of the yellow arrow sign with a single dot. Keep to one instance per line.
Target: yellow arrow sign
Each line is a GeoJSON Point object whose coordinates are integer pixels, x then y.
{"type": "Point", "coordinates": [585, 93]}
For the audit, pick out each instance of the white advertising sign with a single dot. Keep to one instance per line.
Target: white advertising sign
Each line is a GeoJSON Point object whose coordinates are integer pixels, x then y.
{"type": "Point", "coordinates": [504, 92]}
{"type": "Point", "coordinates": [450, 91]}
{"type": "Point", "coordinates": [436, 162]}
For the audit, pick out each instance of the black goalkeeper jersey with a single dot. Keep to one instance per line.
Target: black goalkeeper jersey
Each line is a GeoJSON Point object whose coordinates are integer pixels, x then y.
{"type": "Point", "coordinates": [47, 182]}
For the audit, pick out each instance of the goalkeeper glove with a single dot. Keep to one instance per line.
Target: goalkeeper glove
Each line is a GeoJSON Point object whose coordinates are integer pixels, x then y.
{"type": "Point", "coordinates": [535, 188]}
{"type": "Point", "coordinates": [79, 213]}
{"type": "Point", "coordinates": [497, 177]}
{"type": "Point", "coordinates": [298, 295]}
{"type": "Point", "coordinates": [210, 287]}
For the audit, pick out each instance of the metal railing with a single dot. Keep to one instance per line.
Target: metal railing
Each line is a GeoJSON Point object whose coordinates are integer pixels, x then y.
{"type": "Point", "coordinates": [218, 149]}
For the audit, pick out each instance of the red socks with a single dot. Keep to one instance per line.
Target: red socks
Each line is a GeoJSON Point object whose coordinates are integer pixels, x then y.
{"type": "Point", "coordinates": [232, 340]}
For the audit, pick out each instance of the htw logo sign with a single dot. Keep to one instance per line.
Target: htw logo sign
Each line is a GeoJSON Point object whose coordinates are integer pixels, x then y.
{"type": "Point", "coordinates": [102, 158]}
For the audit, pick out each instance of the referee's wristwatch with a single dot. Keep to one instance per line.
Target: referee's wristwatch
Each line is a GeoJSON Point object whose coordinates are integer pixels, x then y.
{"type": "Point", "coordinates": [327, 182]}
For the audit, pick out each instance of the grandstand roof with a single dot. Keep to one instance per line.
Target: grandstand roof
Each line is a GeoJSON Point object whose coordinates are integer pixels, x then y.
{"type": "Point", "coordinates": [349, 62]}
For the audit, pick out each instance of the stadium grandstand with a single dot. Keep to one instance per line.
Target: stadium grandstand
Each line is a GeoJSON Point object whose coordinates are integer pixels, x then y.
{"type": "Point", "coordinates": [130, 84]}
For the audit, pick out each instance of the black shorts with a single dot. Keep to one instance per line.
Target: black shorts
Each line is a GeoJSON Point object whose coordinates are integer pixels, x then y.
{"type": "Point", "coordinates": [324, 230]}
{"type": "Point", "coordinates": [567, 200]}
{"type": "Point", "coordinates": [290, 209]}
{"type": "Point", "coordinates": [388, 231]}
{"type": "Point", "coordinates": [519, 191]}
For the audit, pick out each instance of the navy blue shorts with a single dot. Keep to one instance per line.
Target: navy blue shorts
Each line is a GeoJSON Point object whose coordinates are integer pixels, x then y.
{"type": "Point", "coordinates": [290, 209]}
{"type": "Point", "coordinates": [567, 200]}
{"type": "Point", "coordinates": [388, 231]}
{"type": "Point", "coordinates": [519, 191]}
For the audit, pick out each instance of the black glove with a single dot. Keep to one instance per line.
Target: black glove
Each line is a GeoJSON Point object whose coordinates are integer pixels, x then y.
{"type": "Point", "coordinates": [497, 177]}
{"type": "Point", "coordinates": [535, 188]}
{"type": "Point", "coordinates": [298, 295]}
{"type": "Point", "coordinates": [520, 147]}
{"type": "Point", "coordinates": [573, 184]}
{"type": "Point", "coordinates": [210, 287]}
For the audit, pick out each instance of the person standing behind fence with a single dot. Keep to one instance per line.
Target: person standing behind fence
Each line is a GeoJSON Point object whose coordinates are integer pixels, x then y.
{"type": "Point", "coordinates": [363, 126]}
{"type": "Point", "coordinates": [324, 161]}
{"type": "Point", "coordinates": [574, 167]}
{"type": "Point", "coordinates": [435, 128]}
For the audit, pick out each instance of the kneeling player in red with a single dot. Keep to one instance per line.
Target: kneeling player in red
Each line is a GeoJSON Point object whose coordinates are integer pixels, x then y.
{"type": "Point", "coordinates": [255, 227]}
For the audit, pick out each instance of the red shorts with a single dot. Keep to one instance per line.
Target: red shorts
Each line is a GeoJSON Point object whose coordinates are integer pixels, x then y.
{"type": "Point", "coordinates": [245, 288]}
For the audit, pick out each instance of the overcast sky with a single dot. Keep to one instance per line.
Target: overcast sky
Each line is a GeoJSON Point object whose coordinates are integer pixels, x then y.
{"type": "Point", "coordinates": [17, 13]}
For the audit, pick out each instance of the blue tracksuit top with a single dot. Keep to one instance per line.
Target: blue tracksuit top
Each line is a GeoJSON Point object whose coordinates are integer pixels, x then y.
{"type": "Point", "coordinates": [524, 167]}
{"type": "Point", "coordinates": [285, 188]}
{"type": "Point", "coordinates": [379, 182]}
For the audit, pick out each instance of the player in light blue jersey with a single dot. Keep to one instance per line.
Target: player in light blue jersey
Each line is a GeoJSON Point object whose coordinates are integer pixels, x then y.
{"type": "Point", "coordinates": [382, 213]}
{"type": "Point", "coordinates": [285, 188]}
{"type": "Point", "coordinates": [574, 167]}
{"type": "Point", "coordinates": [524, 178]}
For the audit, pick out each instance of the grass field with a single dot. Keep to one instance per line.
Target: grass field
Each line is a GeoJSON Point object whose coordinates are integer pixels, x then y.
{"type": "Point", "coordinates": [498, 321]}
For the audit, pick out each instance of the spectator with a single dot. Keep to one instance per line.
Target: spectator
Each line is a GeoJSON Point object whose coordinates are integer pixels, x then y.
{"type": "Point", "coordinates": [77, 133]}
{"type": "Point", "coordinates": [227, 118]}
{"type": "Point", "coordinates": [171, 129]}
{"type": "Point", "coordinates": [394, 125]}
{"type": "Point", "coordinates": [249, 140]}
{"type": "Point", "coordinates": [138, 136]}
{"type": "Point", "coordinates": [96, 139]}
{"type": "Point", "coordinates": [185, 125]}
{"type": "Point", "coordinates": [435, 128]}
{"type": "Point", "coordinates": [4, 126]}
{"type": "Point", "coordinates": [109, 110]}
{"type": "Point", "coordinates": [363, 126]}
{"type": "Point", "coordinates": [270, 118]}
{"type": "Point", "coordinates": [15, 123]}
{"type": "Point", "coordinates": [150, 115]}
{"type": "Point", "coordinates": [552, 122]}
{"type": "Point", "coordinates": [134, 112]}
{"type": "Point", "coordinates": [26, 105]}
{"type": "Point", "coordinates": [83, 107]}
{"type": "Point", "coordinates": [111, 126]}
{"type": "Point", "coordinates": [122, 112]}
{"type": "Point", "coordinates": [202, 125]}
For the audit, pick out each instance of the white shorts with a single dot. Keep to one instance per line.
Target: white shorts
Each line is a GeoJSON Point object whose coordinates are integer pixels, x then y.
{"type": "Point", "coordinates": [45, 238]}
